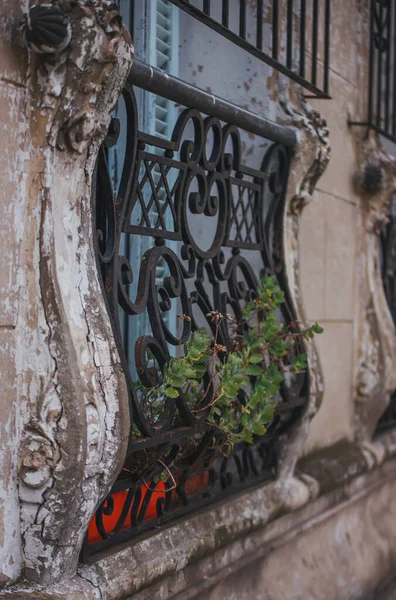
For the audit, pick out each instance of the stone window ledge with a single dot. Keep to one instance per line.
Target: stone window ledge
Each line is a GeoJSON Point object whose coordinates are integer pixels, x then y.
{"type": "Point", "coordinates": [231, 534]}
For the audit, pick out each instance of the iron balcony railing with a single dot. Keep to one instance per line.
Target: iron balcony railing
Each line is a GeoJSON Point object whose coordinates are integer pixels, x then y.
{"type": "Point", "coordinates": [213, 265]}
{"type": "Point", "coordinates": [292, 36]}
{"type": "Point", "coordinates": [381, 99]}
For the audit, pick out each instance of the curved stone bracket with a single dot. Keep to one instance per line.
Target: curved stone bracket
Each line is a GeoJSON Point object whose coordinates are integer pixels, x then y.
{"type": "Point", "coordinates": [310, 160]}
{"type": "Point", "coordinates": [375, 376]}
{"type": "Point", "coordinates": [72, 385]}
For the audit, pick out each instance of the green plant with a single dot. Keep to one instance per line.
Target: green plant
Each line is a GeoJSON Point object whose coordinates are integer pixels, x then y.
{"type": "Point", "coordinates": [236, 389]}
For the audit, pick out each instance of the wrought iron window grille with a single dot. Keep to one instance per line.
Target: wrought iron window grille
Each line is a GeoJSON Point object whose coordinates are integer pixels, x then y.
{"type": "Point", "coordinates": [259, 29]}
{"type": "Point", "coordinates": [388, 263]}
{"type": "Point", "coordinates": [381, 98]}
{"type": "Point", "coordinates": [242, 208]}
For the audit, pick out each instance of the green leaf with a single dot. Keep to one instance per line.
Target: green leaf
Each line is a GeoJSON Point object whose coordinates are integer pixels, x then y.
{"type": "Point", "coordinates": [279, 348]}
{"type": "Point", "coordinates": [176, 381]}
{"type": "Point", "coordinates": [255, 397]}
{"type": "Point", "coordinates": [194, 354]}
{"type": "Point", "coordinates": [278, 297]}
{"type": "Point", "coordinates": [171, 392]}
{"type": "Point", "coordinates": [200, 370]}
{"type": "Point", "coordinates": [175, 366]}
{"type": "Point", "coordinates": [227, 415]}
{"type": "Point", "coordinates": [259, 429]}
{"type": "Point", "coordinates": [317, 328]}
{"type": "Point", "coordinates": [231, 391]}
{"type": "Point", "coordinates": [190, 373]}
{"type": "Point", "coordinates": [245, 419]}
{"type": "Point", "coordinates": [247, 437]}
{"type": "Point", "coordinates": [300, 363]}
{"type": "Point", "coordinates": [253, 370]}
{"type": "Point", "coordinates": [255, 358]}
{"type": "Point", "coordinates": [274, 374]}
{"type": "Point", "coordinates": [267, 414]}
{"type": "Point", "coordinates": [272, 389]}
{"type": "Point", "coordinates": [249, 305]}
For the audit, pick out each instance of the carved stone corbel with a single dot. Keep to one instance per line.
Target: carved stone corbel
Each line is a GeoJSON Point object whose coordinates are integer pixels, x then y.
{"type": "Point", "coordinates": [375, 376]}
{"type": "Point", "coordinates": [73, 396]}
{"type": "Point", "coordinates": [310, 160]}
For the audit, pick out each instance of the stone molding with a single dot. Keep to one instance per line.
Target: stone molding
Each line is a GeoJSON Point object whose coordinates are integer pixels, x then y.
{"type": "Point", "coordinates": [192, 556]}
{"type": "Point", "coordinates": [73, 395]}
{"type": "Point", "coordinates": [375, 372]}
{"type": "Point", "coordinates": [310, 160]}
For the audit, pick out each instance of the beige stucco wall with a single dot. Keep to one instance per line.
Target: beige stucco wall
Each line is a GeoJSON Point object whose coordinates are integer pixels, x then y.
{"type": "Point", "coordinates": [330, 227]}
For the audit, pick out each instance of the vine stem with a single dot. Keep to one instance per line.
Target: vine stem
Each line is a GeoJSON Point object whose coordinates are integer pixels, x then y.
{"type": "Point", "coordinates": [169, 472]}
{"type": "Point", "coordinates": [215, 356]}
{"type": "Point", "coordinates": [180, 335]}
{"type": "Point", "coordinates": [213, 369]}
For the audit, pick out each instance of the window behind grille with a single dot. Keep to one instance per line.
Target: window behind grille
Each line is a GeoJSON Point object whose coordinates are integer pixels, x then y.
{"type": "Point", "coordinates": [154, 25]}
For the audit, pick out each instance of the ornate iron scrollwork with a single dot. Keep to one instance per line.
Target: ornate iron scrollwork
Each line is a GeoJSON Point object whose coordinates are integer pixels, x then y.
{"type": "Point", "coordinates": [213, 227]}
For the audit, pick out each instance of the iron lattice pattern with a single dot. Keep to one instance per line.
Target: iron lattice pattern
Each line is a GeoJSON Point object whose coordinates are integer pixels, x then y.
{"type": "Point", "coordinates": [210, 227]}
{"type": "Point", "coordinates": [291, 36]}
{"type": "Point", "coordinates": [388, 252]}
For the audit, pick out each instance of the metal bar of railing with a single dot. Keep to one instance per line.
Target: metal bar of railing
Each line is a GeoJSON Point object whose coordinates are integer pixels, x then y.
{"type": "Point", "coordinates": [326, 59]}
{"type": "Point", "coordinates": [289, 35]}
{"type": "Point", "coordinates": [379, 67]}
{"type": "Point", "coordinates": [394, 73]}
{"type": "Point", "coordinates": [315, 24]}
{"type": "Point", "coordinates": [302, 38]}
{"type": "Point", "coordinates": [225, 15]}
{"type": "Point", "coordinates": [371, 63]}
{"type": "Point", "coordinates": [157, 81]}
{"type": "Point", "coordinates": [259, 33]}
{"type": "Point", "coordinates": [272, 55]}
{"type": "Point", "coordinates": [388, 64]}
{"type": "Point", "coordinates": [275, 17]}
{"type": "Point", "coordinates": [242, 19]}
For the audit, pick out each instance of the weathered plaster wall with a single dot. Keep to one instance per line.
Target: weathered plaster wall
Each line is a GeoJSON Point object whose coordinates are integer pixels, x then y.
{"type": "Point", "coordinates": [12, 233]}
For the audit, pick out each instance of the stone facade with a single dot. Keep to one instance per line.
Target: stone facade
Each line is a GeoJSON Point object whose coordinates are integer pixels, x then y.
{"type": "Point", "coordinates": [325, 528]}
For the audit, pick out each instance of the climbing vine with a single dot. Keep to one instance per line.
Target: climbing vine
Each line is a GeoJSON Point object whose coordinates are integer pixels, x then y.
{"type": "Point", "coordinates": [237, 389]}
